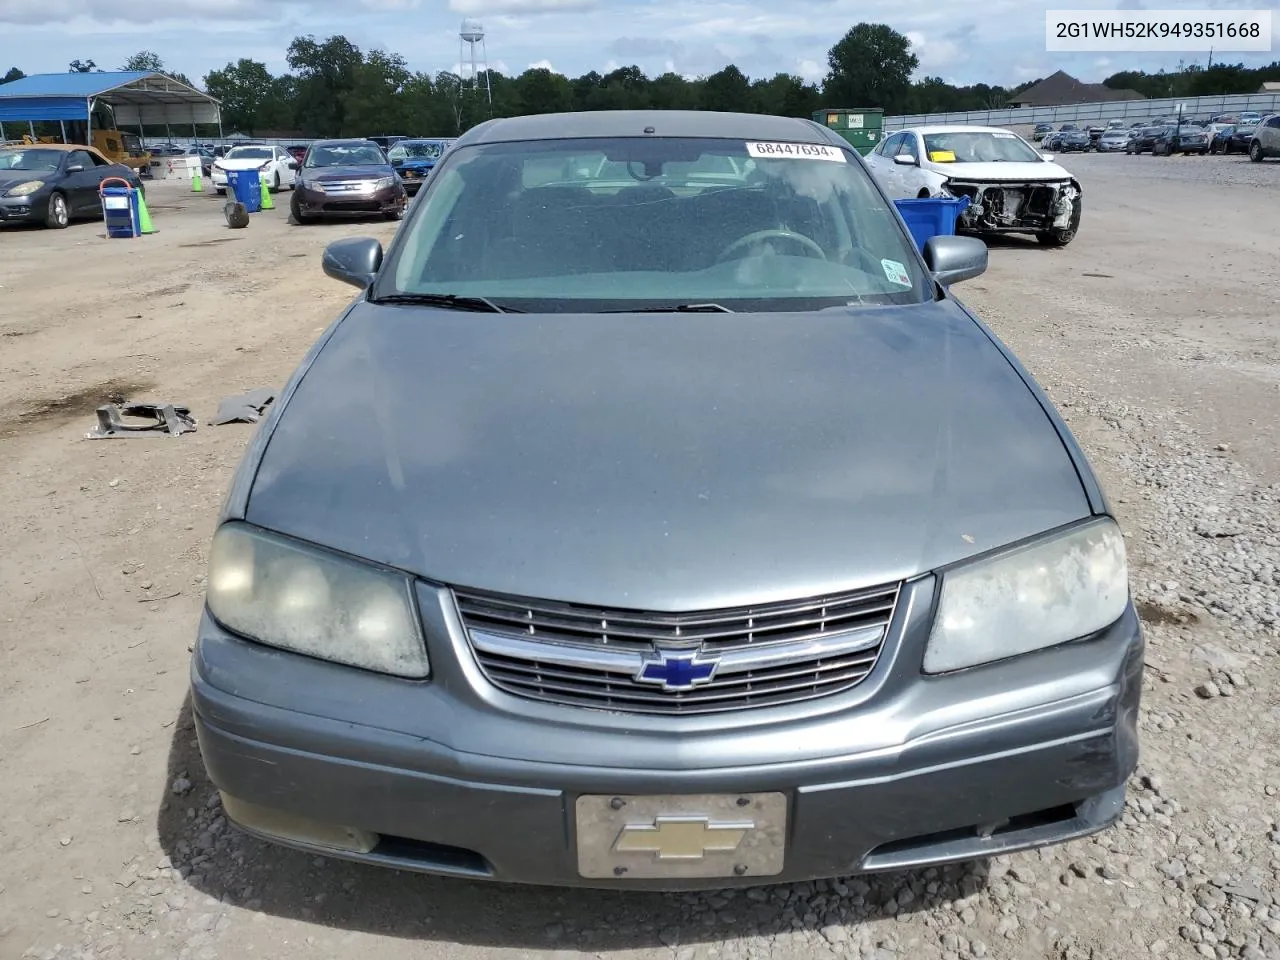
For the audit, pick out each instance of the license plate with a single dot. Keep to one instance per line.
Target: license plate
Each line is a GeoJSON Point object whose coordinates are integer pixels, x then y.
{"type": "Point", "coordinates": [681, 836]}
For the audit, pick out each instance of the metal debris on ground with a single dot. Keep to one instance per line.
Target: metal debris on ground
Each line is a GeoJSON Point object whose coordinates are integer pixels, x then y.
{"type": "Point", "coordinates": [245, 408]}
{"type": "Point", "coordinates": [157, 420]}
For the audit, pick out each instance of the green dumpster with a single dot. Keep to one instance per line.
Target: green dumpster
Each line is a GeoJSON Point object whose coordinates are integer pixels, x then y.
{"type": "Point", "coordinates": [861, 126]}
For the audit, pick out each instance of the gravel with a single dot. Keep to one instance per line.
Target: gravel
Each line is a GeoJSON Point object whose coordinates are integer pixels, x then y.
{"type": "Point", "coordinates": [1191, 870]}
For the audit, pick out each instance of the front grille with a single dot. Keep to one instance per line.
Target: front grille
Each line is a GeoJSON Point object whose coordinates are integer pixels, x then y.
{"type": "Point", "coordinates": [723, 659]}
{"type": "Point", "coordinates": [346, 186]}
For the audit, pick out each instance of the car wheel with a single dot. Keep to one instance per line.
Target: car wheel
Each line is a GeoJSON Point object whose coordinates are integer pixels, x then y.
{"type": "Point", "coordinates": [58, 216]}
{"type": "Point", "coordinates": [394, 214]}
{"type": "Point", "coordinates": [220, 191]}
{"type": "Point", "coordinates": [1255, 152]}
{"type": "Point", "coordinates": [295, 210]}
{"type": "Point", "coordinates": [1063, 236]}
{"type": "Point", "coordinates": [275, 182]}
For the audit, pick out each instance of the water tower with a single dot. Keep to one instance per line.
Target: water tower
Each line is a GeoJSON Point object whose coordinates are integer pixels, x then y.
{"type": "Point", "coordinates": [473, 57]}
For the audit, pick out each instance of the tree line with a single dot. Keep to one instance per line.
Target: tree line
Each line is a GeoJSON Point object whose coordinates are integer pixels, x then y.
{"type": "Point", "coordinates": [333, 88]}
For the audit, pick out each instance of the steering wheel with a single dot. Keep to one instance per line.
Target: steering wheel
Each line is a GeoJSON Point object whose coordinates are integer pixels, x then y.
{"type": "Point", "coordinates": [810, 246]}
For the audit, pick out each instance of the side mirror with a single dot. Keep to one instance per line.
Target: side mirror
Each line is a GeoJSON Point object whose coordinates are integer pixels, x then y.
{"type": "Point", "coordinates": [354, 260]}
{"type": "Point", "coordinates": [76, 168]}
{"type": "Point", "coordinates": [293, 164]}
{"type": "Point", "coordinates": [1047, 157]}
{"type": "Point", "coordinates": [952, 259]}
{"type": "Point", "coordinates": [905, 159]}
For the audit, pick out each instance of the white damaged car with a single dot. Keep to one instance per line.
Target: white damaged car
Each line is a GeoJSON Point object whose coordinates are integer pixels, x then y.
{"type": "Point", "coordinates": [1012, 187]}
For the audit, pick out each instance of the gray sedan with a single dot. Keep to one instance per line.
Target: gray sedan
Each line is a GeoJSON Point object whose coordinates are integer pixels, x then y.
{"type": "Point", "coordinates": [655, 516]}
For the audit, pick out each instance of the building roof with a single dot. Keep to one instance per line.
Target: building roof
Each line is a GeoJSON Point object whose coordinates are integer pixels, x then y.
{"type": "Point", "coordinates": [135, 96]}
{"type": "Point", "coordinates": [1270, 86]}
{"type": "Point", "coordinates": [1061, 88]}
{"type": "Point", "coordinates": [665, 123]}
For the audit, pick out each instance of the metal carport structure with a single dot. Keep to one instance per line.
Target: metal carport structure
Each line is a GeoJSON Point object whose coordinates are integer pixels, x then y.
{"type": "Point", "coordinates": [137, 98]}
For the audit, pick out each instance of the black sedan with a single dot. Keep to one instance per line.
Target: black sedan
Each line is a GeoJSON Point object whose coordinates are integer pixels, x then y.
{"type": "Point", "coordinates": [55, 183]}
{"type": "Point", "coordinates": [1070, 141]}
{"type": "Point", "coordinates": [1241, 137]}
{"type": "Point", "coordinates": [1144, 139]}
{"type": "Point", "coordinates": [1184, 139]}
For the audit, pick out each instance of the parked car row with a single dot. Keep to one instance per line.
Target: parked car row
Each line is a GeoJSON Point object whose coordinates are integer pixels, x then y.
{"type": "Point", "coordinates": [1249, 133]}
{"type": "Point", "coordinates": [1259, 140]}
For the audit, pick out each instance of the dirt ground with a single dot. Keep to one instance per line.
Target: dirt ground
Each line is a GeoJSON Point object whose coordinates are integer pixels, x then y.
{"type": "Point", "coordinates": [1158, 330]}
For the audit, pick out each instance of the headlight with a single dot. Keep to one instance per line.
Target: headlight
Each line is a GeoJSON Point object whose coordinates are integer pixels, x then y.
{"type": "Point", "coordinates": [316, 185]}
{"type": "Point", "coordinates": [384, 183]}
{"type": "Point", "coordinates": [25, 189]}
{"type": "Point", "coordinates": [1030, 598]}
{"type": "Point", "coordinates": [310, 601]}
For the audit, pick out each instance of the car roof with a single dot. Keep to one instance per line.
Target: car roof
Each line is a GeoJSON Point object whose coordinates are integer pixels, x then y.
{"type": "Point", "coordinates": [64, 147]}
{"type": "Point", "coordinates": [345, 142]}
{"type": "Point", "coordinates": [954, 128]}
{"type": "Point", "coordinates": [664, 123]}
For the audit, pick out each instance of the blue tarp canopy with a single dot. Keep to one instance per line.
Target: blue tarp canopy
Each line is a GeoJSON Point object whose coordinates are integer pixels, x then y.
{"type": "Point", "coordinates": [136, 97]}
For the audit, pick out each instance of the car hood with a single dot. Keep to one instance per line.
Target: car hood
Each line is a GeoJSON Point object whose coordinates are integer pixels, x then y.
{"type": "Point", "coordinates": [247, 163]}
{"type": "Point", "coordinates": [16, 177]}
{"type": "Point", "coordinates": [1004, 171]}
{"type": "Point", "coordinates": [663, 461]}
{"type": "Point", "coordinates": [354, 172]}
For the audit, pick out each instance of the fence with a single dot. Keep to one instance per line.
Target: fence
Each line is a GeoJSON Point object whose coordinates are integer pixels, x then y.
{"type": "Point", "coordinates": [1203, 107]}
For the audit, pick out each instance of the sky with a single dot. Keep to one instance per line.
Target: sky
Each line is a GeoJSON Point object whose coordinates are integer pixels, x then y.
{"type": "Point", "coordinates": [962, 41]}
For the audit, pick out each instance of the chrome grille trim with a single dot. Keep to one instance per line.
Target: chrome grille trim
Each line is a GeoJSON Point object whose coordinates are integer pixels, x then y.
{"type": "Point", "coordinates": [768, 655]}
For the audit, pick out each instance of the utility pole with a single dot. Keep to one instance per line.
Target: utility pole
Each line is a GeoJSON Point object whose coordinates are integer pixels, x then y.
{"type": "Point", "coordinates": [1210, 66]}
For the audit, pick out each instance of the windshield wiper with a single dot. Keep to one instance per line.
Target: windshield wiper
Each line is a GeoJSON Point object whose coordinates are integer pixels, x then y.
{"type": "Point", "coordinates": [678, 308]}
{"type": "Point", "coordinates": [446, 301]}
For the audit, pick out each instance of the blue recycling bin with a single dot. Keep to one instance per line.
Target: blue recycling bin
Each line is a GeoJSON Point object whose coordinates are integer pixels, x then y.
{"type": "Point", "coordinates": [245, 187]}
{"type": "Point", "coordinates": [120, 210]}
{"type": "Point", "coordinates": [934, 217]}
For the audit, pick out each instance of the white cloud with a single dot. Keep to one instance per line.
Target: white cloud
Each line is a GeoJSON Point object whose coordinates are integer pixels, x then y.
{"type": "Point", "coordinates": [484, 7]}
{"type": "Point", "coordinates": [543, 65]}
{"type": "Point", "coordinates": [811, 70]}
{"type": "Point", "coordinates": [688, 37]}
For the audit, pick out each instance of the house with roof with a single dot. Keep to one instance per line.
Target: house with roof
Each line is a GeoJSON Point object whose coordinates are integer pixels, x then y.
{"type": "Point", "coordinates": [1061, 88]}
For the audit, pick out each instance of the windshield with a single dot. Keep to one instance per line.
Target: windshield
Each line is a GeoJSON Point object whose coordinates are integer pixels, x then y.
{"type": "Point", "coordinates": [35, 160]}
{"type": "Point", "coordinates": [426, 150]}
{"type": "Point", "coordinates": [974, 147]}
{"type": "Point", "coordinates": [344, 155]}
{"type": "Point", "coordinates": [249, 153]}
{"type": "Point", "coordinates": [614, 224]}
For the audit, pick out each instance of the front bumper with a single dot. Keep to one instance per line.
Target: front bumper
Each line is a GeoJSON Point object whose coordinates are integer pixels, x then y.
{"type": "Point", "coordinates": [454, 777]}
{"type": "Point", "coordinates": [28, 209]}
{"type": "Point", "coordinates": [413, 178]}
{"type": "Point", "coordinates": [315, 203]}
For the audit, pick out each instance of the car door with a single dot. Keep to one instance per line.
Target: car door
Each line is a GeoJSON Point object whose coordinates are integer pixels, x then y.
{"type": "Point", "coordinates": [914, 175]}
{"type": "Point", "coordinates": [896, 173]}
{"type": "Point", "coordinates": [878, 161]}
{"type": "Point", "coordinates": [1269, 136]}
{"type": "Point", "coordinates": [82, 181]}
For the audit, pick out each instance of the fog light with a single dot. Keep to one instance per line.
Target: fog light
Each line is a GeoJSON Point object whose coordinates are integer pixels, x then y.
{"type": "Point", "coordinates": [291, 828]}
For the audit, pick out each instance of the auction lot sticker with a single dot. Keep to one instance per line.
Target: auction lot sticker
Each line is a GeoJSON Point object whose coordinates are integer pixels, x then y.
{"type": "Point", "coordinates": [796, 151]}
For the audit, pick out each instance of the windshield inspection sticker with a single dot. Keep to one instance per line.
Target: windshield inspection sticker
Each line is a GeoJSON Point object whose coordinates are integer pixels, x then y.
{"type": "Point", "coordinates": [796, 151]}
{"type": "Point", "coordinates": [896, 272]}
{"type": "Point", "coordinates": [1004, 136]}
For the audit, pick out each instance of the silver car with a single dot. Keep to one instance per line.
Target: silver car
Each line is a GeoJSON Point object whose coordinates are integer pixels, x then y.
{"type": "Point", "coordinates": [656, 517]}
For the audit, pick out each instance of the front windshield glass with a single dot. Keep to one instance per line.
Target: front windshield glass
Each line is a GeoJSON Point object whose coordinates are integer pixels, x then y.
{"type": "Point", "coordinates": [620, 224]}
{"type": "Point", "coordinates": [973, 147]}
{"type": "Point", "coordinates": [249, 153]}
{"type": "Point", "coordinates": [345, 155]}
{"type": "Point", "coordinates": [424, 150]}
{"type": "Point", "coordinates": [33, 160]}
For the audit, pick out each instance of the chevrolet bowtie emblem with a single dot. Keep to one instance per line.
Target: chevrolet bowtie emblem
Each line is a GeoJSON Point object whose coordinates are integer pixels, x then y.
{"type": "Point", "coordinates": [681, 838]}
